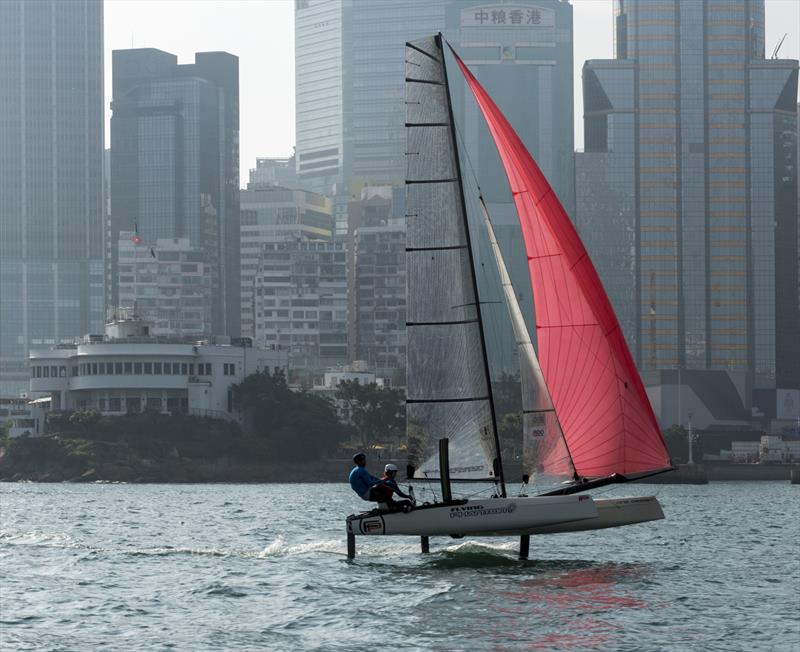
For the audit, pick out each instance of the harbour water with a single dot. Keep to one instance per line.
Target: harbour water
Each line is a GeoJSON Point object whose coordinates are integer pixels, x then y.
{"type": "Point", "coordinates": [263, 567]}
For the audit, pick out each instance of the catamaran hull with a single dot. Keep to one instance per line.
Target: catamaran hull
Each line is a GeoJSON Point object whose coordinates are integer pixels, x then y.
{"type": "Point", "coordinates": [528, 516]}
{"type": "Point", "coordinates": [611, 512]}
{"type": "Point", "coordinates": [488, 517]}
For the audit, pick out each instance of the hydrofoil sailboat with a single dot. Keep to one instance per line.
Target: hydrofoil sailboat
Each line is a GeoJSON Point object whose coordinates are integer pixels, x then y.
{"type": "Point", "coordinates": [587, 421]}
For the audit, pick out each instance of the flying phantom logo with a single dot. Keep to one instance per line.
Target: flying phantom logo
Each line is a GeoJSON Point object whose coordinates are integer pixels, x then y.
{"type": "Point", "coordinates": [468, 511]}
{"type": "Point", "coordinates": [372, 526]}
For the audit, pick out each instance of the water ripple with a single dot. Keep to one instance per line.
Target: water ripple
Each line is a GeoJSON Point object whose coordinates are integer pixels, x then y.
{"type": "Point", "coordinates": [219, 567]}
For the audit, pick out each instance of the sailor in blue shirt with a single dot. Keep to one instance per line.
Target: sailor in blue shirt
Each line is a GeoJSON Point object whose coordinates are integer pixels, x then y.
{"type": "Point", "coordinates": [367, 486]}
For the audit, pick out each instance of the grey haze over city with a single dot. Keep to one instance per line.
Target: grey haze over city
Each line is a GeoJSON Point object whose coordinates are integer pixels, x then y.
{"type": "Point", "coordinates": [399, 324]}
{"type": "Point", "coordinates": [151, 189]}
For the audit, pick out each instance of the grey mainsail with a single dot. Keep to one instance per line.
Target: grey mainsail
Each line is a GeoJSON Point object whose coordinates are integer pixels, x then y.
{"type": "Point", "coordinates": [448, 389]}
{"type": "Point", "coordinates": [545, 456]}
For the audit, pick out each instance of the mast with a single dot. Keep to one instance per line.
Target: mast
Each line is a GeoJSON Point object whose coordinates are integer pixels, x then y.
{"type": "Point", "coordinates": [465, 220]}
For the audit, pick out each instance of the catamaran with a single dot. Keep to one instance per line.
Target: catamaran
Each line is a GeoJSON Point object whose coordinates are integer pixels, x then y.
{"type": "Point", "coordinates": [587, 421]}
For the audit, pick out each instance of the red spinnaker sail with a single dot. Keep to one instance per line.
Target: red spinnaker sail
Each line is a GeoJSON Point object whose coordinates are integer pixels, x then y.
{"type": "Point", "coordinates": [598, 395]}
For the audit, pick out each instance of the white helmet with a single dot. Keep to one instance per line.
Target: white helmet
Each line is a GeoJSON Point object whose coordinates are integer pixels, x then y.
{"type": "Point", "coordinates": [389, 467]}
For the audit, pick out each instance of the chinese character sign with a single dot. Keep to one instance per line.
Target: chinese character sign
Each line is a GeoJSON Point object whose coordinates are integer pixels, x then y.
{"type": "Point", "coordinates": [508, 16]}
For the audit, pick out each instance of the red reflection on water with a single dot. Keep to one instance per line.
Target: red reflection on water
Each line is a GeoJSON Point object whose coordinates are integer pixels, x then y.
{"type": "Point", "coordinates": [566, 602]}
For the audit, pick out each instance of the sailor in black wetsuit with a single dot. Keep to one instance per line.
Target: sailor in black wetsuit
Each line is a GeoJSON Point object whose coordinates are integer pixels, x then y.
{"type": "Point", "coordinates": [389, 474]}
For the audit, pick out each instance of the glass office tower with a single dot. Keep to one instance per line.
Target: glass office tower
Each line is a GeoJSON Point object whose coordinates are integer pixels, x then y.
{"type": "Point", "coordinates": [175, 164]}
{"type": "Point", "coordinates": [687, 190]}
{"type": "Point", "coordinates": [51, 178]}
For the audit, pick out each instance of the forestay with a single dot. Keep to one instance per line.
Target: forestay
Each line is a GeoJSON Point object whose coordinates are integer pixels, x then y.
{"type": "Point", "coordinates": [447, 388]}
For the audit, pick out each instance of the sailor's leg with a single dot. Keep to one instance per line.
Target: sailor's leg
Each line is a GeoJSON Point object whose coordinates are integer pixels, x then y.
{"type": "Point", "coordinates": [524, 546]}
{"type": "Point", "coordinates": [425, 545]}
{"type": "Point", "coordinates": [351, 545]}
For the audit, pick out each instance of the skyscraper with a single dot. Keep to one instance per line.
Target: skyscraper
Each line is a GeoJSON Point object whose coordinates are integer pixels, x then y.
{"type": "Point", "coordinates": [51, 177]}
{"type": "Point", "coordinates": [687, 197]}
{"type": "Point", "coordinates": [175, 164]}
{"type": "Point", "coordinates": [350, 76]}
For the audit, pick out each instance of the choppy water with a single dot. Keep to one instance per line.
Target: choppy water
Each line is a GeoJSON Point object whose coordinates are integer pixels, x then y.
{"type": "Point", "coordinates": [262, 567]}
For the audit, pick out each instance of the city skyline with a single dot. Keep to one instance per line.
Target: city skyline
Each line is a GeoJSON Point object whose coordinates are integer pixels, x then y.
{"type": "Point", "coordinates": [209, 27]}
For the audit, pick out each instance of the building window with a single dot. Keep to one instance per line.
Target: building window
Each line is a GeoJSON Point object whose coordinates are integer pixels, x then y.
{"type": "Point", "coordinates": [94, 369]}
{"type": "Point", "coordinates": [191, 368]}
{"type": "Point", "coordinates": [114, 405]}
{"type": "Point", "coordinates": [137, 368]}
{"type": "Point", "coordinates": [45, 372]}
{"type": "Point", "coordinates": [133, 404]}
{"type": "Point", "coordinates": [176, 368]}
{"type": "Point", "coordinates": [157, 368]}
{"type": "Point", "coordinates": [148, 368]}
{"type": "Point", "coordinates": [128, 367]}
{"type": "Point", "coordinates": [54, 372]}
{"type": "Point", "coordinates": [184, 369]}
{"type": "Point", "coordinates": [101, 404]}
{"type": "Point", "coordinates": [153, 404]}
{"type": "Point", "coordinates": [62, 372]}
{"type": "Point", "coordinates": [118, 368]}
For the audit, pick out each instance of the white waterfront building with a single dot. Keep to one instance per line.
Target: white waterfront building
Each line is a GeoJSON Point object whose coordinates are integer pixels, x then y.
{"type": "Point", "coordinates": [128, 369]}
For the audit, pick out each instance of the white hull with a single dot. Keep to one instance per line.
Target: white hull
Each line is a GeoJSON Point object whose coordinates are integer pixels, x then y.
{"type": "Point", "coordinates": [611, 512]}
{"type": "Point", "coordinates": [511, 517]}
{"type": "Point", "coordinates": [487, 517]}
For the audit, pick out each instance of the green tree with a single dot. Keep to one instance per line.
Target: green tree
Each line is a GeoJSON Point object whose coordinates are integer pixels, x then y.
{"type": "Point", "coordinates": [377, 413]}
{"type": "Point", "coordinates": [85, 422]}
{"type": "Point", "coordinates": [297, 424]}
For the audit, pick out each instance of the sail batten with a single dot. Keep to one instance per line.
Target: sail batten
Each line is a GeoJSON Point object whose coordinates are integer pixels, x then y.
{"type": "Point", "coordinates": [589, 371]}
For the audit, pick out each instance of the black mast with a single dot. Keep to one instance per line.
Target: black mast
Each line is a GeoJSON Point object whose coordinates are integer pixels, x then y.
{"type": "Point", "coordinates": [499, 465]}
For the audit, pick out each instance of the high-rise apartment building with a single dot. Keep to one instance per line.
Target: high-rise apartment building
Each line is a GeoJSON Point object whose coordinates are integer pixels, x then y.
{"type": "Point", "coordinates": [686, 195]}
{"type": "Point", "coordinates": [300, 304]}
{"type": "Point", "coordinates": [167, 283]}
{"type": "Point", "coordinates": [175, 164]}
{"type": "Point", "coordinates": [377, 283]}
{"type": "Point", "coordinates": [273, 171]}
{"type": "Point", "coordinates": [51, 178]}
{"type": "Point", "coordinates": [271, 216]}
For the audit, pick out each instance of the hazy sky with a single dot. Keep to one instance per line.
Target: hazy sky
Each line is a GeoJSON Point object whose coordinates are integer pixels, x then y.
{"type": "Point", "coordinates": [261, 34]}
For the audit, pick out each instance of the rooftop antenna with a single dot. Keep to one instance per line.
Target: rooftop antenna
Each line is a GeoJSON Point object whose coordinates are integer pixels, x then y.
{"type": "Point", "coordinates": [778, 47]}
